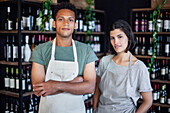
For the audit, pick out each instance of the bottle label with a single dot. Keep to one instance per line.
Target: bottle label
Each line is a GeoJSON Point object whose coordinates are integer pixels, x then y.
{"type": "Point", "coordinates": [150, 26]}
{"type": "Point", "coordinates": [23, 84]}
{"type": "Point", "coordinates": [6, 82]}
{"type": "Point", "coordinates": [162, 71]}
{"type": "Point", "coordinates": [15, 52]}
{"type": "Point", "coordinates": [51, 24]}
{"type": "Point", "coordinates": [150, 51]}
{"type": "Point", "coordinates": [9, 51]}
{"type": "Point", "coordinates": [46, 26]}
{"type": "Point", "coordinates": [6, 111]}
{"type": "Point", "coordinates": [80, 24]}
{"type": "Point", "coordinates": [166, 24]}
{"type": "Point", "coordinates": [17, 83]}
{"type": "Point", "coordinates": [29, 87]}
{"type": "Point", "coordinates": [168, 101]}
{"type": "Point", "coordinates": [12, 83]}
{"type": "Point", "coordinates": [22, 51]}
{"type": "Point", "coordinates": [155, 95]}
{"type": "Point", "coordinates": [166, 48]}
{"type": "Point", "coordinates": [153, 76]}
{"type": "Point", "coordinates": [84, 28]}
{"type": "Point", "coordinates": [136, 50]}
{"type": "Point", "coordinates": [9, 25]}
{"type": "Point", "coordinates": [162, 100]}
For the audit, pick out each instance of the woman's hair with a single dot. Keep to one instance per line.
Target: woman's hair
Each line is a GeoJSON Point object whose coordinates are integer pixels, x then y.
{"type": "Point", "coordinates": [125, 27]}
{"type": "Point", "coordinates": [65, 5]}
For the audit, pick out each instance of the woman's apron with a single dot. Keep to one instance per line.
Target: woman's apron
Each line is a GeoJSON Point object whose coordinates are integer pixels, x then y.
{"type": "Point", "coordinates": [115, 86]}
{"type": "Point", "coordinates": [62, 71]}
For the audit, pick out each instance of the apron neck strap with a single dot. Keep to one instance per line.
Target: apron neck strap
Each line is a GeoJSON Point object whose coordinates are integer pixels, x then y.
{"type": "Point", "coordinates": [74, 50]}
{"type": "Point", "coordinates": [130, 64]}
{"type": "Point", "coordinates": [130, 61]}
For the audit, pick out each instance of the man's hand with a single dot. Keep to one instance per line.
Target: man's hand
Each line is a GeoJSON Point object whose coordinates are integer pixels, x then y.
{"type": "Point", "coordinates": [46, 88]}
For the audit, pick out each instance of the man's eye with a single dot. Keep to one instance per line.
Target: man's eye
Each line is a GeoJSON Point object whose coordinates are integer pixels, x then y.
{"type": "Point", "coordinates": [71, 20]}
{"type": "Point", "coordinates": [60, 19]}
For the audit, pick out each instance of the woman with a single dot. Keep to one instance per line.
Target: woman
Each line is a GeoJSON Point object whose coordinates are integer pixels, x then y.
{"type": "Point", "coordinates": [122, 78]}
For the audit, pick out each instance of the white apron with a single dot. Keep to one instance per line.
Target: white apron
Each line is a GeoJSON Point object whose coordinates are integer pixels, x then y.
{"type": "Point", "coordinates": [62, 71]}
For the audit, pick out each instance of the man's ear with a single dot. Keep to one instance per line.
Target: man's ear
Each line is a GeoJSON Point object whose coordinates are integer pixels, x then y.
{"type": "Point", "coordinates": [54, 26]}
{"type": "Point", "coordinates": [75, 26]}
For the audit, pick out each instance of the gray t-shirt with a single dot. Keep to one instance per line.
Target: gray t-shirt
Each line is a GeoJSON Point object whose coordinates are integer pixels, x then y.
{"type": "Point", "coordinates": [42, 54]}
{"type": "Point", "coordinates": [116, 76]}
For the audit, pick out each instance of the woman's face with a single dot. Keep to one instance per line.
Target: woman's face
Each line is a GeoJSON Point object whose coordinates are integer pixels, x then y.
{"type": "Point", "coordinates": [119, 40]}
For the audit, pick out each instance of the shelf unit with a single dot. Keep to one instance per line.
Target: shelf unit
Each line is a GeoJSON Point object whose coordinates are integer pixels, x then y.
{"type": "Point", "coordinates": [20, 34]}
{"type": "Point", "coordinates": [148, 57]}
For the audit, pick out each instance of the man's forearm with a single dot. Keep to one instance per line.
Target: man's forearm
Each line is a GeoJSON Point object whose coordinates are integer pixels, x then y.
{"type": "Point", "coordinates": [77, 88]}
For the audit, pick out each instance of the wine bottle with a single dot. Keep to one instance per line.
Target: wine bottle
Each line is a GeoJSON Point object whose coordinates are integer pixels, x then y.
{"type": "Point", "coordinates": [33, 45]}
{"type": "Point", "coordinates": [143, 49]}
{"type": "Point", "coordinates": [166, 22]}
{"type": "Point", "coordinates": [29, 85]}
{"type": "Point", "coordinates": [27, 49]}
{"type": "Point", "coordinates": [162, 96]}
{"type": "Point", "coordinates": [142, 22]}
{"type": "Point", "coordinates": [17, 81]}
{"type": "Point", "coordinates": [7, 106]}
{"type": "Point", "coordinates": [155, 93]}
{"type": "Point", "coordinates": [7, 80]}
{"type": "Point", "coordinates": [23, 80]}
{"type": "Point", "coordinates": [167, 46]}
{"type": "Point", "coordinates": [159, 46]}
{"type": "Point", "coordinates": [6, 50]}
{"type": "Point", "coordinates": [12, 80]}
{"type": "Point", "coordinates": [163, 77]}
{"type": "Point", "coordinates": [150, 25]}
{"type": "Point", "coordinates": [46, 27]}
{"type": "Point", "coordinates": [8, 24]}
{"type": "Point", "coordinates": [30, 20]}
{"type": "Point", "coordinates": [137, 46]}
{"type": "Point", "coordinates": [51, 22]}
{"type": "Point", "coordinates": [136, 24]}
{"type": "Point", "coordinates": [159, 23]}
{"type": "Point", "coordinates": [80, 22]}
{"type": "Point", "coordinates": [150, 49]}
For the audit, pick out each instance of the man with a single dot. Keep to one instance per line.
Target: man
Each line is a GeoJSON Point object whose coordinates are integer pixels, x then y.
{"type": "Point", "coordinates": [57, 64]}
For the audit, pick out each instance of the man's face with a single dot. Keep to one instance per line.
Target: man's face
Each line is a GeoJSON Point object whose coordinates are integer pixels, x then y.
{"type": "Point", "coordinates": [65, 23]}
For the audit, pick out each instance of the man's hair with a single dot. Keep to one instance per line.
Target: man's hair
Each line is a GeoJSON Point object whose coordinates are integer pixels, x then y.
{"type": "Point", "coordinates": [125, 27]}
{"type": "Point", "coordinates": [65, 5]}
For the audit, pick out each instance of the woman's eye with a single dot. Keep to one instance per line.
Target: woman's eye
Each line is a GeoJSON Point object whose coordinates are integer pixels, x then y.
{"type": "Point", "coordinates": [111, 38]}
{"type": "Point", "coordinates": [120, 37]}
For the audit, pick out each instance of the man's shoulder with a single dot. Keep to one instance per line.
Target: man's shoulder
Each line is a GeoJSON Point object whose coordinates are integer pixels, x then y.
{"type": "Point", "coordinates": [43, 46]}
{"type": "Point", "coordinates": [81, 44]}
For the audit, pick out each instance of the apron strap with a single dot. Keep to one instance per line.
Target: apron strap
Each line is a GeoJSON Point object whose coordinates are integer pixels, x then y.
{"type": "Point", "coordinates": [74, 50]}
{"type": "Point", "coordinates": [130, 77]}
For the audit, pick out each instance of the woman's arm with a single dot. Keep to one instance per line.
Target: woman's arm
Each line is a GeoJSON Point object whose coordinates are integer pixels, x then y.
{"type": "Point", "coordinates": [96, 94]}
{"type": "Point", "coordinates": [147, 102]}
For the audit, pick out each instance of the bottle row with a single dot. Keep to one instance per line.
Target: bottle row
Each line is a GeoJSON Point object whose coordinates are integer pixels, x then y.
{"type": "Point", "coordinates": [11, 79]}
{"type": "Point", "coordinates": [158, 109]}
{"type": "Point", "coordinates": [30, 41]}
{"type": "Point", "coordinates": [145, 45]}
{"type": "Point", "coordinates": [31, 106]}
{"type": "Point", "coordinates": [31, 21]}
{"type": "Point", "coordinates": [143, 22]}
{"type": "Point", "coordinates": [161, 69]}
{"type": "Point", "coordinates": [161, 93]}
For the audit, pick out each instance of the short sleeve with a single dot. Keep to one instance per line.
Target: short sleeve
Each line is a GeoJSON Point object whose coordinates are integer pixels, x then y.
{"type": "Point", "coordinates": [37, 55]}
{"type": "Point", "coordinates": [100, 68]}
{"type": "Point", "coordinates": [91, 56]}
{"type": "Point", "coordinates": [144, 81]}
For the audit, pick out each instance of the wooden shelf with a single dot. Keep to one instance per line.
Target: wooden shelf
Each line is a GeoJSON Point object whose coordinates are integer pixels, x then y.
{"type": "Point", "coordinates": [147, 9]}
{"type": "Point", "coordinates": [161, 81]}
{"type": "Point", "coordinates": [47, 32]}
{"type": "Point", "coordinates": [157, 57]}
{"type": "Point", "coordinates": [157, 104]}
{"type": "Point", "coordinates": [13, 63]}
{"type": "Point", "coordinates": [13, 94]}
{"type": "Point", "coordinates": [150, 33]}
